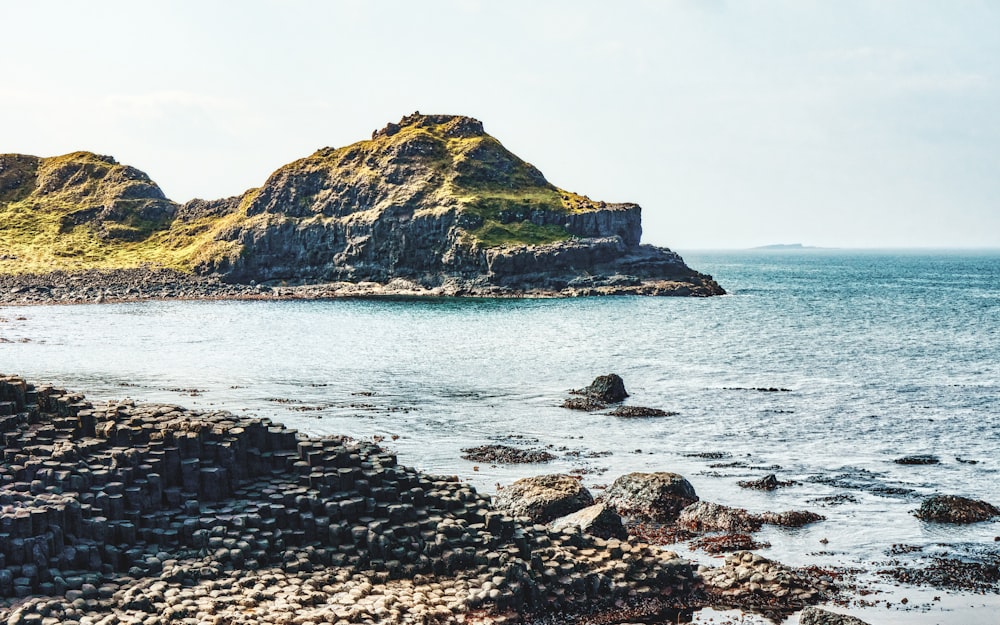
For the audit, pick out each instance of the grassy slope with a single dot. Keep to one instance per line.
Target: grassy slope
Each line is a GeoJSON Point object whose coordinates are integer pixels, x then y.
{"type": "Point", "coordinates": [34, 237]}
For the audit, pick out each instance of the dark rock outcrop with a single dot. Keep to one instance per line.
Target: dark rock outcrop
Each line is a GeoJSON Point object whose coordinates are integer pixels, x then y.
{"type": "Point", "coordinates": [505, 454]}
{"type": "Point", "coordinates": [654, 496]}
{"type": "Point", "coordinates": [604, 390]}
{"type": "Point", "coordinates": [639, 412]}
{"type": "Point", "coordinates": [954, 509]}
{"type": "Point", "coordinates": [609, 389]}
{"type": "Point", "coordinates": [543, 498]}
{"type": "Point", "coordinates": [918, 459]}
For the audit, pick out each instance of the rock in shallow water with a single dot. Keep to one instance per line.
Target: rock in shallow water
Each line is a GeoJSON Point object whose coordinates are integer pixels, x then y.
{"type": "Point", "coordinates": [954, 509]}
{"type": "Point", "coordinates": [607, 388]}
{"type": "Point", "coordinates": [543, 498]}
{"type": "Point", "coordinates": [817, 616]}
{"type": "Point", "coordinates": [655, 496]}
{"type": "Point", "coordinates": [918, 459]}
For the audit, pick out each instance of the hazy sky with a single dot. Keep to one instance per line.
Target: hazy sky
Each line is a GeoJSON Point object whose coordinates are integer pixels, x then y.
{"type": "Point", "coordinates": [734, 124]}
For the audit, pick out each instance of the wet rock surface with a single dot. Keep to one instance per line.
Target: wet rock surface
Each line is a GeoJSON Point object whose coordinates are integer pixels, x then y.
{"type": "Point", "coordinates": [955, 509]}
{"type": "Point", "coordinates": [705, 516]}
{"type": "Point", "coordinates": [608, 389]}
{"type": "Point", "coordinates": [655, 496]}
{"type": "Point", "coordinates": [817, 616]}
{"type": "Point", "coordinates": [543, 498]}
{"type": "Point", "coordinates": [638, 412]}
{"type": "Point", "coordinates": [752, 581]}
{"type": "Point", "coordinates": [727, 542]}
{"type": "Point", "coordinates": [505, 454]}
{"type": "Point", "coordinates": [130, 513]}
{"type": "Point", "coordinates": [768, 482]}
{"type": "Point", "coordinates": [918, 459]}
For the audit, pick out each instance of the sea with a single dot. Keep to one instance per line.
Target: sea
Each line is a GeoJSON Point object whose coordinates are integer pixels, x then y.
{"type": "Point", "coordinates": [822, 367]}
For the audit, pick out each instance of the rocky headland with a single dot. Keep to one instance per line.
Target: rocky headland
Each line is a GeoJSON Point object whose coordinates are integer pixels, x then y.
{"type": "Point", "coordinates": [432, 205]}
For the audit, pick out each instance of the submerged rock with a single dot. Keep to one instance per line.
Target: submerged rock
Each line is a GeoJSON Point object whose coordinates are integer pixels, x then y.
{"type": "Point", "coordinates": [543, 498]}
{"type": "Point", "coordinates": [705, 516]}
{"type": "Point", "coordinates": [768, 482]}
{"type": "Point", "coordinates": [954, 509]}
{"type": "Point", "coordinates": [817, 616]}
{"type": "Point", "coordinates": [918, 459]}
{"type": "Point", "coordinates": [655, 496]}
{"type": "Point", "coordinates": [505, 454]}
{"type": "Point", "coordinates": [640, 412]}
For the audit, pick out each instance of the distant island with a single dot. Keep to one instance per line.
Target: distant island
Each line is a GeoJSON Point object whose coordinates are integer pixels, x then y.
{"type": "Point", "coordinates": [432, 205]}
{"type": "Point", "coordinates": [785, 246]}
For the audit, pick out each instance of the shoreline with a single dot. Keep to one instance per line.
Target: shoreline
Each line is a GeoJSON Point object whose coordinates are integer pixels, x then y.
{"type": "Point", "coordinates": [148, 284]}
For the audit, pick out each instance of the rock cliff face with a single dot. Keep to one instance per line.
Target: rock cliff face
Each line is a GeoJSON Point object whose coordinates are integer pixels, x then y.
{"type": "Point", "coordinates": [433, 200]}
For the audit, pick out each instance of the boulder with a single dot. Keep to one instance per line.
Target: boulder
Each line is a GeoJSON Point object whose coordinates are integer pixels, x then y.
{"type": "Point", "coordinates": [705, 516]}
{"type": "Point", "coordinates": [791, 518]}
{"type": "Point", "coordinates": [597, 520]}
{"type": "Point", "coordinates": [655, 496]}
{"type": "Point", "coordinates": [609, 389]}
{"type": "Point", "coordinates": [954, 509]}
{"type": "Point", "coordinates": [817, 616]}
{"type": "Point", "coordinates": [543, 498]}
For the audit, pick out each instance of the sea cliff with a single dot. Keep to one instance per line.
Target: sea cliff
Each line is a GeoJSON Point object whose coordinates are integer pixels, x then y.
{"type": "Point", "coordinates": [431, 205]}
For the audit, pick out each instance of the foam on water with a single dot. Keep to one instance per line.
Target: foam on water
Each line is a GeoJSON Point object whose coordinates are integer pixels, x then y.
{"type": "Point", "coordinates": [885, 354]}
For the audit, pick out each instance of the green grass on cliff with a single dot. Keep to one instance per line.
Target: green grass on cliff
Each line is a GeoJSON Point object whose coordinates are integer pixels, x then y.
{"type": "Point", "coordinates": [494, 234]}
{"type": "Point", "coordinates": [46, 203]}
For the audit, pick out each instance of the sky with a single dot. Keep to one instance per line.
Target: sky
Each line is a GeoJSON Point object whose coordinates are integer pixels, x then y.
{"type": "Point", "coordinates": [846, 123]}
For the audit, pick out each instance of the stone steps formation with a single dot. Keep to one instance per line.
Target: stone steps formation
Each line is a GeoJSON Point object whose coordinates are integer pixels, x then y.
{"type": "Point", "coordinates": [133, 512]}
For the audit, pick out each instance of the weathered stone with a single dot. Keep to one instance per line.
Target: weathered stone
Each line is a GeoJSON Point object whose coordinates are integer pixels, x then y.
{"type": "Point", "coordinates": [705, 516]}
{"type": "Point", "coordinates": [543, 498]}
{"type": "Point", "coordinates": [597, 520]}
{"type": "Point", "coordinates": [656, 496]}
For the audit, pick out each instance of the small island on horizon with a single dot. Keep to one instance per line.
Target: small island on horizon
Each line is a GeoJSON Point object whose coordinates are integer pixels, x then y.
{"type": "Point", "coordinates": [432, 205]}
{"type": "Point", "coordinates": [787, 246]}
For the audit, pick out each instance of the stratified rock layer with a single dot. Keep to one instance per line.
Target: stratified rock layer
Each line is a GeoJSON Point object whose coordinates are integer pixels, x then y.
{"type": "Point", "coordinates": [155, 511]}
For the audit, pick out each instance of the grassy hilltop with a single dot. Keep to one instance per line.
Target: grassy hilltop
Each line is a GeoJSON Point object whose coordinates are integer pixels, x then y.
{"type": "Point", "coordinates": [85, 211]}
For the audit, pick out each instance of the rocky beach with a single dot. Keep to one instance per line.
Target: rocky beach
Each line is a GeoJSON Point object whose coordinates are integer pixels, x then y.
{"type": "Point", "coordinates": [126, 513]}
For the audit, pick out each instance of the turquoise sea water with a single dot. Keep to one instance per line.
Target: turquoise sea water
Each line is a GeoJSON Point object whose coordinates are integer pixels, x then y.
{"type": "Point", "coordinates": [883, 354]}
